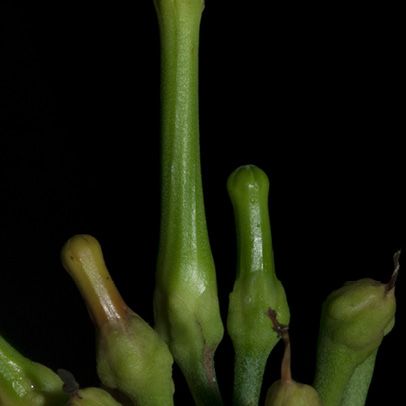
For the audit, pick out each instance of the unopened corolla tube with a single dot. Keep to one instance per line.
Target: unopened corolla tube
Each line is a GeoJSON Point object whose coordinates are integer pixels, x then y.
{"type": "Point", "coordinates": [256, 286]}
{"type": "Point", "coordinates": [131, 357]}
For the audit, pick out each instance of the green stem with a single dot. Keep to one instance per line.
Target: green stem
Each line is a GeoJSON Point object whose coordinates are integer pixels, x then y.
{"type": "Point", "coordinates": [182, 196]}
{"type": "Point", "coordinates": [334, 370]}
{"type": "Point", "coordinates": [248, 375]}
{"type": "Point", "coordinates": [186, 307]}
{"type": "Point", "coordinates": [356, 391]}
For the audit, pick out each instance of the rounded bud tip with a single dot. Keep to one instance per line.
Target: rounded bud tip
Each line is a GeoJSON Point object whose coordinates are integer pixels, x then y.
{"type": "Point", "coordinates": [82, 258]}
{"type": "Point", "coordinates": [247, 180]}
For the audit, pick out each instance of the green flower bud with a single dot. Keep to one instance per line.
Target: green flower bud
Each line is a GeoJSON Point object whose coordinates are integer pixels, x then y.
{"type": "Point", "coordinates": [286, 391]}
{"type": "Point", "coordinates": [87, 396]}
{"type": "Point", "coordinates": [186, 307]}
{"type": "Point", "coordinates": [92, 397]}
{"type": "Point", "coordinates": [256, 287]}
{"type": "Point", "coordinates": [354, 320]}
{"type": "Point", "coordinates": [291, 393]}
{"type": "Point", "coordinates": [130, 355]}
{"type": "Point", "coordinates": [24, 382]}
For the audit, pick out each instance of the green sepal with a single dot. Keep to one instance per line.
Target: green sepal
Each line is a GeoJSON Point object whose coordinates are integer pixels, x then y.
{"type": "Point", "coordinates": [132, 358]}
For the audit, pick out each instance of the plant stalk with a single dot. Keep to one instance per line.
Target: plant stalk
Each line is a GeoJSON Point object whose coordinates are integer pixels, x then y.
{"type": "Point", "coordinates": [186, 307]}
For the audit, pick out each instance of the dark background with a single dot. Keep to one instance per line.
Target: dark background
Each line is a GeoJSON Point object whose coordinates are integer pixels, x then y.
{"type": "Point", "coordinates": [311, 94]}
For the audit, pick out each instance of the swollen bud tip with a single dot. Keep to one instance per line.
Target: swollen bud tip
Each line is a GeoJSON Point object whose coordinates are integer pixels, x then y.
{"type": "Point", "coordinates": [82, 257]}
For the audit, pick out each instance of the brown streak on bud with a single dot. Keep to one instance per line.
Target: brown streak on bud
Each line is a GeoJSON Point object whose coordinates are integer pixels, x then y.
{"type": "Point", "coordinates": [282, 331]}
{"type": "Point", "coordinates": [391, 284]}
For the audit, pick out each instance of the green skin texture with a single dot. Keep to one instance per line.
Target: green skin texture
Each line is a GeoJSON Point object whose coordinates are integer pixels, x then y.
{"type": "Point", "coordinates": [24, 382]}
{"type": "Point", "coordinates": [357, 388]}
{"type": "Point", "coordinates": [291, 393]}
{"type": "Point", "coordinates": [92, 397]}
{"type": "Point", "coordinates": [132, 358]}
{"type": "Point", "coordinates": [356, 391]}
{"type": "Point", "coordinates": [186, 307]}
{"type": "Point", "coordinates": [354, 321]}
{"type": "Point", "coordinates": [256, 287]}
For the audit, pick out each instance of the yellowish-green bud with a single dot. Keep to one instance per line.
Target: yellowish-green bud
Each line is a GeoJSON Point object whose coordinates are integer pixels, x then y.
{"type": "Point", "coordinates": [84, 397]}
{"type": "Point", "coordinates": [92, 397]}
{"type": "Point", "coordinates": [291, 393]}
{"type": "Point", "coordinates": [131, 357]}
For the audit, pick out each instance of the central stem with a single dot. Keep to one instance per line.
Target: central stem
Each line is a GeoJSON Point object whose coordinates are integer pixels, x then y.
{"type": "Point", "coordinates": [187, 314]}
{"type": "Point", "coordinates": [181, 186]}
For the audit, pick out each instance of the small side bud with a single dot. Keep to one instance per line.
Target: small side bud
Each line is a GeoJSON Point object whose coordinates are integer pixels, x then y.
{"type": "Point", "coordinates": [84, 397]}
{"type": "Point", "coordinates": [291, 393]}
{"type": "Point", "coordinates": [286, 391]}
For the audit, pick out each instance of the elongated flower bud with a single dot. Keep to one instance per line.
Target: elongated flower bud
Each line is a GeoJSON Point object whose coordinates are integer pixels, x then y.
{"type": "Point", "coordinates": [24, 382]}
{"type": "Point", "coordinates": [186, 307]}
{"type": "Point", "coordinates": [354, 320]}
{"type": "Point", "coordinates": [130, 355]}
{"type": "Point", "coordinates": [286, 391]}
{"type": "Point", "coordinates": [256, 287]}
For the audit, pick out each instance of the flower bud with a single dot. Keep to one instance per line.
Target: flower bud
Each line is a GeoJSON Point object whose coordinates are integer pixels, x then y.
{"type": "Point", "coordinates": [291, 393]}
{"type": "Point", "coordinates": [84, 397]}
{"type": "Point", "coordinates": [92, 397]}
{"type": "Point", "coordinates": [130, 355]}
{"type": "Point", "coordinates": [354, 320]}
{"type": "Point", "coordinates": [286, 391]}
{"type": "Point", "coordinates": [256, 286]}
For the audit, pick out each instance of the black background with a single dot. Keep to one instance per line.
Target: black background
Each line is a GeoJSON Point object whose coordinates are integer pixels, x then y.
{"type": "Point", "coordinates": [312, 94]}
